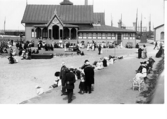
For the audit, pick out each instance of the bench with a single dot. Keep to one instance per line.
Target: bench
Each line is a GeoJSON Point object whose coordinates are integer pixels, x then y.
{"type": "Point", "coordinates": [42, 56]}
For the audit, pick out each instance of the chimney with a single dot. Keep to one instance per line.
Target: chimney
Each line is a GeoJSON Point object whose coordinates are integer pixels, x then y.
{"type": "Point", "coordinates": [86, 2]}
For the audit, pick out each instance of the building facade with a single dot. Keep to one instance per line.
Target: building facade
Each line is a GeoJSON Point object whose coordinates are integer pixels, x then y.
{"type": "Point", "coordinates": [68, 22]}
{"type": "Point", "coordinates": [159, 33]}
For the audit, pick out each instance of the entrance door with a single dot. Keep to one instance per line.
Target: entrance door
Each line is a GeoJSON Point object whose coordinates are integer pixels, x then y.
{"type": "Point", "coordinates": [55, 32]}
{"type": "Point", "coordinates": [119, 38]}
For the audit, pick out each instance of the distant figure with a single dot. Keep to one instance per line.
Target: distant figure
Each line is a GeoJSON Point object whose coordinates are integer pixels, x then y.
{"type": "Point", "coordinates": [159, 53]}
{"type": "Point", "coordinates": [137, 45]}
{"type": "Point", "coordinates": [39, 90]}
{"type": "Point", "coordinates": [99, 49]}
{"type": "Point", "coordinates": [139, 52]}
{"type": "Point", "coordinates": [144, 52]}
{"type": "Point", "coordinates": [155, 45]}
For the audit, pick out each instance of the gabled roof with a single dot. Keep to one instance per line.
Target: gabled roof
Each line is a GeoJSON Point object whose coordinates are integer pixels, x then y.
{"type": "Point", "coordinates": [55, 16]}
{"type": "Point", "coordinates": [67, 13]}
{"type": "Point", "coordinates": [104, 28]}
{"type": "Point", "coordinates": [99, 17]}
{"type": "Point", "coordinates": [159, 26]}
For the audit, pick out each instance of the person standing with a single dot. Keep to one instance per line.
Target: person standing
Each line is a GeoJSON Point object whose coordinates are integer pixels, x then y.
{"type": "Point", "coordinates": [63, 77]}
{"type": "Point", "coordinates": [99, 49]}
{"type": "Point", "coordinates": [144, 52]}
{"type": "Point", "coordinates": [139, 52]}
{"type": "Point", "coordinates": [69, 81]}
{"type": "Point", "coordinates": [89, 77]}
{"type": "Point", "coordinates": [155, 45]}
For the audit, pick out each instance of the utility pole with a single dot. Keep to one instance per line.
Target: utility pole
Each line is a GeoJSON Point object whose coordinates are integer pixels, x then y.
{"type": "Point", "coordinates": [136, 19]}
{"type": "Point", "coordinates": [111, 21]}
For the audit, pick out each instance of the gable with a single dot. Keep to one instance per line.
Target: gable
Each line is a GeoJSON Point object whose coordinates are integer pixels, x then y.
{"type": "Point", "coordinates": [55, 21]}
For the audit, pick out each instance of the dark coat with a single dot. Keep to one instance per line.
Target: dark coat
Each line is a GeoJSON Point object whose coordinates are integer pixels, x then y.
{"type": "Point", "coordinates": [139, 52]}
{"type": "Point", "coordinates": [62, 75]}
{"type": "Point", "coordinates": [70, 77]}
{"type": "Point", "coordinates": [89, 74]}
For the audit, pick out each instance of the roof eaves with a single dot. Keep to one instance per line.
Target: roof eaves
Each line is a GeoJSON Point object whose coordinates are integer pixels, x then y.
{"type": "Point", "coordinates": [159, 26]}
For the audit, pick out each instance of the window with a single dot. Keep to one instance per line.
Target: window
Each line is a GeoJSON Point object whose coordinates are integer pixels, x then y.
{"type": "Point", "coordinates": [126, 36]}
{"type": "Point", "coordinates": [80, 34]}
{"type": "Point", "coordinates": [109, 34]}
{"type": "Point", "coordinates": [162, 35]}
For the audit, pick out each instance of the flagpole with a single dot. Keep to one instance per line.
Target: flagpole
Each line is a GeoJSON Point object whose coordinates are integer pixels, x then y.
{"type": "Point", "coordinates": [4, 25]}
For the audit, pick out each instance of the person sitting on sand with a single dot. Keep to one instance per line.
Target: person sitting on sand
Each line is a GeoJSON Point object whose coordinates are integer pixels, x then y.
{"type": "Point", "coordinates": [39, 90]}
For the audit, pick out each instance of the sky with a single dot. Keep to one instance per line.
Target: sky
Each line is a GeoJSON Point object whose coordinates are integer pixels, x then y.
{"type": "Point", "coordinates": [13, 10]}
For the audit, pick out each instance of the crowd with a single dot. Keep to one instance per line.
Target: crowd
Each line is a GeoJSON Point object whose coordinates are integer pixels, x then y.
{"type": "Point", "coordinates": [141, 73]}
{"type": "Point", "coordinates": [85, 74]}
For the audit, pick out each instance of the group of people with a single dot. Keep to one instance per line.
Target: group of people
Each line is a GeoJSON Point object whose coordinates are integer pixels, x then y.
{"type": "Point", "coordinates": [68, 76]}
{"type": "Point", "coordinates": [142, 52]}
{"type": "Point", "coordinates": [85, 74]}
{"type": "Point", "coordinates": [144, 69]}
{"type": "Point", "coordinates": [44, 45]}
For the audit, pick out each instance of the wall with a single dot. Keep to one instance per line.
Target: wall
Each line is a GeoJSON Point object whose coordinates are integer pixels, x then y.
{"type": "Point", "coordinates": [28, 28]}
{"type": "Point", "coordinates": [158, 33]}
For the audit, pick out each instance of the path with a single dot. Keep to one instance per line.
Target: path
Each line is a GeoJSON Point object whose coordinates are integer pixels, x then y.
{"type": "Point", "coordinates": [112, 86]}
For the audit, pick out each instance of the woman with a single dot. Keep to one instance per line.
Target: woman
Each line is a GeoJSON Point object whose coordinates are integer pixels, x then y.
{"type": "Point", "coordinates": [144, 52]}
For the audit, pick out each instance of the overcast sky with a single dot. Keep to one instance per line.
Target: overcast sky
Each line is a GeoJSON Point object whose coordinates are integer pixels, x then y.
{"type": "Point", "coordinates": [13, 10]}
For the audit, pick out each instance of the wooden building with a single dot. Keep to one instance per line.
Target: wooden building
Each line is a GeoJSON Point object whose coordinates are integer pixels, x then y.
{"type": "Point", "coordinates": [159, 33]}
{"type": "Point", "coordinates": [71, 22]}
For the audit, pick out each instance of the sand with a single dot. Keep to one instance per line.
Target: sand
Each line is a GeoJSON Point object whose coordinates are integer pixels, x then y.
{"type": "Point", "coordinates": [18, 81]}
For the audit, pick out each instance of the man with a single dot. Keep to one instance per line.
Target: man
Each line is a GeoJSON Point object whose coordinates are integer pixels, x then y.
{"type": "Point", "coordinates": [69, 81]}
{"type": "Point", "coordinates": [89, 76]}
{"type": "Point", "coordinates": [99, 49]}
{"type": "Point", "coordinates": [155, 45]}
{"type": "Point", "coordinates": [62, 77]}
{"type": "Point", "coordinates": [139, 52]}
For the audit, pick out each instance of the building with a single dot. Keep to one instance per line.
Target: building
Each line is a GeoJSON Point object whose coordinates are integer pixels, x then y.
{"type": "Point", "coordinates": [159, 33]}
{"type": "Point", "coordinates": [71, 22]}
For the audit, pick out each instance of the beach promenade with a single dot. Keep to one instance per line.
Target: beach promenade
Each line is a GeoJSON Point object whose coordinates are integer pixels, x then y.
{"type": "Point", "coordinates": [112, 85]}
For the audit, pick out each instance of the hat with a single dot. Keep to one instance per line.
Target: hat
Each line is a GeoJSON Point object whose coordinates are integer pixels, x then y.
{"type": "Point", "coordinates": [37, 86]}
{"type": "Point", "coordinates": [87, 63]}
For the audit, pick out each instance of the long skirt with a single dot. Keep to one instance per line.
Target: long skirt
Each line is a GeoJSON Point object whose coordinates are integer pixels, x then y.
{"type": "Point", "coordinates": [144, 55]}
{"type": "Point", "coordinates": [82, 86]}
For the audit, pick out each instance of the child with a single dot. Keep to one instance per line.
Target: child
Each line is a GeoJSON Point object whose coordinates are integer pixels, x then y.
{"type": "Point", "coordinates": [57, 75]}
{"type": "Point", "coordinates": [82, 83]}
{"type": "Point", "coordinates": [39, 90]}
